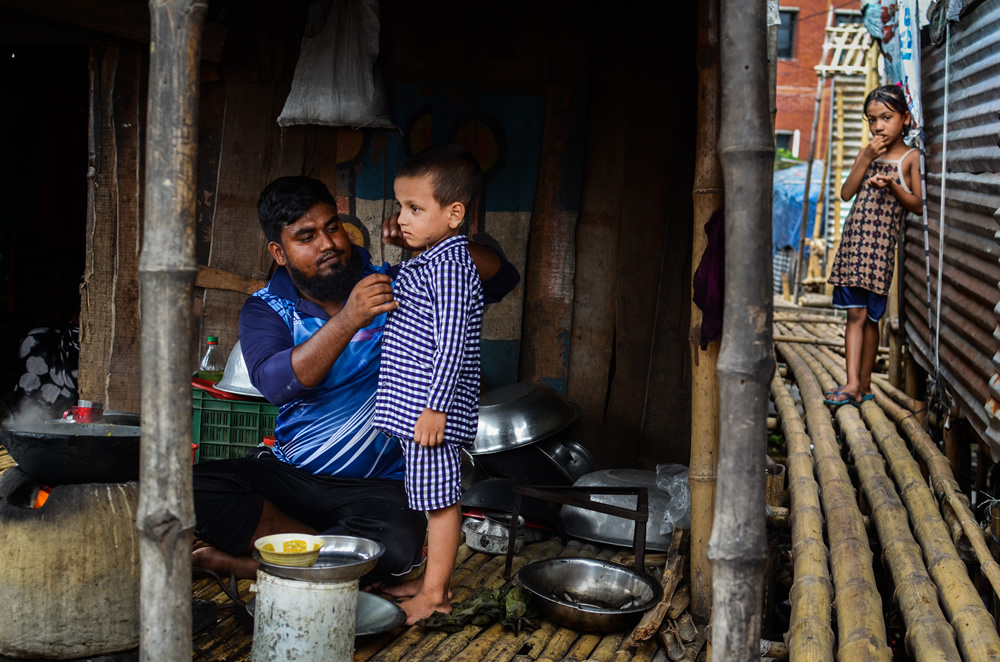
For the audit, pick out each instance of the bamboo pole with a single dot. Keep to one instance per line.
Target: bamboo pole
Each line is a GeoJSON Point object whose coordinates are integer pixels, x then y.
{"type": "Point", "coordinates": [812, 155]}
{"type": "Point", "coordinates": [974, 627]}
{"type": "Point", "coordinates": [167, 270]}
{"type": "Point", "coordinates": [838, 176]}
{"type": "Point", "coordinates": [911, 404]}
{"type": "Point", "coordinates": [707, 197]}
{"type": "Point", "coordinates": [945, 486]}
{"type": "Point", "coordinates": [860, 627]}
{"type": "Point", "coordinates": [809, 317]}
{"type": "Point", "coordinates": [810, 637]}
{"type": "Point", "coordinates": [929, 637]}
{"type": "Point", "coordinates": [737, 549]}
{"type": "Point", "coordinates": [814, 270]}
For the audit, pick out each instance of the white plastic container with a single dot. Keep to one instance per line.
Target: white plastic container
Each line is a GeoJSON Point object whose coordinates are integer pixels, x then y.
{"type": "Point", "coordinates": [304, 620]}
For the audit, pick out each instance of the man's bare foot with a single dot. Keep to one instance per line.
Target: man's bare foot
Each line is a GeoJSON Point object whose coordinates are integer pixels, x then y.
{"type": "Point", "coordinates": [218, 561]}
{"type": "Point", "coordinates": [406, 589]}
{"type": "Point", "coordinates": [422, 606]}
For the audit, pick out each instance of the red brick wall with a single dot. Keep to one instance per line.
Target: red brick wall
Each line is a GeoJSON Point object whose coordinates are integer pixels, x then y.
{"type": "Point", "coordinates": [796, 88]}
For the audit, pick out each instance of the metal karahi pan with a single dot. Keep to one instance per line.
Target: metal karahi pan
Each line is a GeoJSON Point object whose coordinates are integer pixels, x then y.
{"type": "Point", "coordinates": [57, 453]}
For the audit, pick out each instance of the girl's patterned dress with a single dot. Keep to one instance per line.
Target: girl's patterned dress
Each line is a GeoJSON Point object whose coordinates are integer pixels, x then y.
{"type": "Point", "coordinates": [867, 251]}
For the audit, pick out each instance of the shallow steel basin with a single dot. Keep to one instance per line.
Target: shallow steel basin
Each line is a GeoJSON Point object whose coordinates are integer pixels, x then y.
{"type": "Point", "coordinates": [520, 414]}
{"type": "Point", "coordinates": [589, 594]}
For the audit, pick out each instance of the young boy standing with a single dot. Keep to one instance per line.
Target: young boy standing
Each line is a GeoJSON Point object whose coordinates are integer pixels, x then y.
{"type": "Point", "coordinates": [428, 393]}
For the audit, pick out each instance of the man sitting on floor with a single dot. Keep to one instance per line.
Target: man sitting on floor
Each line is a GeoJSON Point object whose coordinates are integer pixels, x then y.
{"type": "Point", "coordinates": [312, 341]}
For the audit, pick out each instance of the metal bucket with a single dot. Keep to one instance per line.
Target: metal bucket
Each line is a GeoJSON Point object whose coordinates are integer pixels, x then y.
{"type": "Point", "coordinates": [295, 619]}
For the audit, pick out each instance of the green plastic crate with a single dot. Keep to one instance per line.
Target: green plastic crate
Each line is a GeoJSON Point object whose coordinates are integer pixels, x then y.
{"type": "Point", "coordinates": [227, 429]}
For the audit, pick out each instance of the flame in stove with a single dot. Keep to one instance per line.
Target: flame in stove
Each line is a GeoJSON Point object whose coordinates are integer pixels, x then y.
{"type": "Point", "coordinates": [42, 496]}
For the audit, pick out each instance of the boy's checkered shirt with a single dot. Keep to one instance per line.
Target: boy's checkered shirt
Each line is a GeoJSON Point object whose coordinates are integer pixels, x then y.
{"type": "Point", "coordinates": [430, 349]}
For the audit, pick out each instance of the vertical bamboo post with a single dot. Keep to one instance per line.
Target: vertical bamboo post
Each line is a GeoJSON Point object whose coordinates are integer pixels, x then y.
{"type": "Point", "coordinates": [737, 548]}
{"type": "Point", "coordinates": [838, 177]}
{"type": "Point", "coordinates": [167, 271]}
{"type": "Point", "coordinates": [815, 270]}
{"type": "Point", "coordinates": [707, 197]}
{"type": "Point", "coordinates": [800, 262]}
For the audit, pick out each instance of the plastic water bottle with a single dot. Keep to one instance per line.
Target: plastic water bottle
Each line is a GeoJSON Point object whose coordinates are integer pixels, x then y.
{"type": "Point", "coordinates": [212, 364]}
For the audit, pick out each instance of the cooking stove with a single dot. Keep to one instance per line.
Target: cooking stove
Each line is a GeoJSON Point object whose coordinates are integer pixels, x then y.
{"type": "Point", "coordinates": [70, 571]}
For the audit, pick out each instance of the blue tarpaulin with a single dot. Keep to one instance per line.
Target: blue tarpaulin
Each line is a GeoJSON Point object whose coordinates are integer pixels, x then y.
{"type": "Point", "coordinates": [786, 208]}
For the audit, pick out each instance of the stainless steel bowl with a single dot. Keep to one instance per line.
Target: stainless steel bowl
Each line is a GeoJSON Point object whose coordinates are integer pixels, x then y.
{"type": "Point", "coordinates": [608, 529]}
{"type": "Point", "coordinates": [342, 558]}
{"type": "Point", "coordinates": [236, 378]}
{"type": "Point", "coordinates": [589, 594]}
{"type": "Point", "coordinates": [520, 414]}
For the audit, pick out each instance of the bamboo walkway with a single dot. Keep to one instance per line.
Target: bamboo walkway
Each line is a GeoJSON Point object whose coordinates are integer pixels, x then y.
{"type": "Point", "coordinates": [918, 524]}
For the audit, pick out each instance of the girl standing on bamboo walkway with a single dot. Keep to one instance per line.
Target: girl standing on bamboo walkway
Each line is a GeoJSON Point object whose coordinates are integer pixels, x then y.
{"type": "Point", "coordinates": [886, 179]}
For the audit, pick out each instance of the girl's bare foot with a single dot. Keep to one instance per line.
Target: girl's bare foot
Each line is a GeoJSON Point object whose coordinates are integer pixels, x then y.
{"type": "Point", "coordinates": [422, 606]}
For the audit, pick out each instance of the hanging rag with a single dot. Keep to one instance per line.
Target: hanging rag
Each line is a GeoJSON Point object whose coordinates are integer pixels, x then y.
{"type": "Point", "coordinates": [709, 281]}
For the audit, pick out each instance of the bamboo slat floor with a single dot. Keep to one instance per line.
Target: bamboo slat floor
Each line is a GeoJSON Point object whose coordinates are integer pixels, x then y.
{"type": "Point", "coordinates": [227, 640]}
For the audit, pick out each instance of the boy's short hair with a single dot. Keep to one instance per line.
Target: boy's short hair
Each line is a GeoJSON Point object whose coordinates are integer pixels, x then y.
{"type": "Point", "coordinates": [286, 200]}
{"type": "Point", "coordinates": [454, 171]}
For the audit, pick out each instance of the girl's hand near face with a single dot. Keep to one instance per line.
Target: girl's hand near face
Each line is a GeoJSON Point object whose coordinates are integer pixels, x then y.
{"type": "Point", "coordinates": [875, 148]}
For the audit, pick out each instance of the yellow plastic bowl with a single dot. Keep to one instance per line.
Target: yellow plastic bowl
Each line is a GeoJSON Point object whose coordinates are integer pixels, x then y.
{"type": "Point", "coordinates": [294, 549]}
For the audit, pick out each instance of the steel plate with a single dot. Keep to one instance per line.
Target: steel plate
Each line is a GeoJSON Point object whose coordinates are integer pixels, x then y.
{"type": "Point", "coordinates": [342, 558]}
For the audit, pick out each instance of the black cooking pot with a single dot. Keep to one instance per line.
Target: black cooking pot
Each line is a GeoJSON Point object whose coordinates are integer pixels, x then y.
{"type": "Point", "coordinates": [498, 494]}
{"type": "Point", "coordinates": [524, 464]}
{"type": "Point", "coordinates": [56, 453]}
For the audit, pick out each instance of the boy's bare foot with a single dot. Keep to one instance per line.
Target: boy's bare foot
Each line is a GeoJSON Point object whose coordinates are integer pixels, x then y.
{"type": "Point", "coordinates": [222, 563]}
{"type": "Point", "coordinates": [421, 606]}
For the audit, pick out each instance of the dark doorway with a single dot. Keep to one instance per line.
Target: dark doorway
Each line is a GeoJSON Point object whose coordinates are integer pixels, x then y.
{"type": "Point", "coordinates": [43, 179]}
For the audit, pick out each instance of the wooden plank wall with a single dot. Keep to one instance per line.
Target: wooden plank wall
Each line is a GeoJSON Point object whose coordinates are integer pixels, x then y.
{"type": "Point", "coordinates": [591, 111]}
{"type": "Point", "coordinates": [109, 302]}
{"type": "Point", "coordinates": [551, 265]}
{"type": "Point", "coordinates": [628, 358]}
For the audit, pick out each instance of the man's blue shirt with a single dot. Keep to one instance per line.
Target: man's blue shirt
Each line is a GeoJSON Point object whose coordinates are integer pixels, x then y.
{"type": "Point", "coordinates": [326, 429]}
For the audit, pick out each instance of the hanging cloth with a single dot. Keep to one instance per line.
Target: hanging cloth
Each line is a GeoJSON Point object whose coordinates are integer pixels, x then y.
{"type": "Point", "coordinates": [709, 282]}
{"type": "Point", "coordinates": [337, 81]}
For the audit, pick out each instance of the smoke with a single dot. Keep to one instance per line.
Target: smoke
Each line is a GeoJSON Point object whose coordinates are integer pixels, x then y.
{"type": "Point", "coordinates": [28, 412]}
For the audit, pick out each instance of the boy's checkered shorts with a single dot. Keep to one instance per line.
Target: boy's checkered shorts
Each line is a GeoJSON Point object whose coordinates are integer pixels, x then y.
{"type": "Point", "coordinates": [433, 474]}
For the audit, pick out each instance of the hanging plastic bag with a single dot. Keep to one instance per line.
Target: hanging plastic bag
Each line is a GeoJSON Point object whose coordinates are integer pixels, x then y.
{"type": "Point", "coordinates": [337, 81]}
{"type": "Point", "coordinates": [673, 479]}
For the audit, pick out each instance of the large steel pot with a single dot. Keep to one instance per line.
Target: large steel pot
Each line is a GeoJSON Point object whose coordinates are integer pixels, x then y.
{"type": "Point", "coordinates": [57, 453]}
{"type": "Point", "coordinates": [609, 529]}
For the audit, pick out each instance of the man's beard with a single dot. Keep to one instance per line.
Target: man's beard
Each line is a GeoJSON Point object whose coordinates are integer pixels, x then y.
{"type": "Point", "coordinates": [334, 286]}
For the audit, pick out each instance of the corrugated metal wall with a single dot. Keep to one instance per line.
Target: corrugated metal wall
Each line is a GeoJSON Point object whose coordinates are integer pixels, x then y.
{"type": "Point", "coordinates": [968, 348]}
